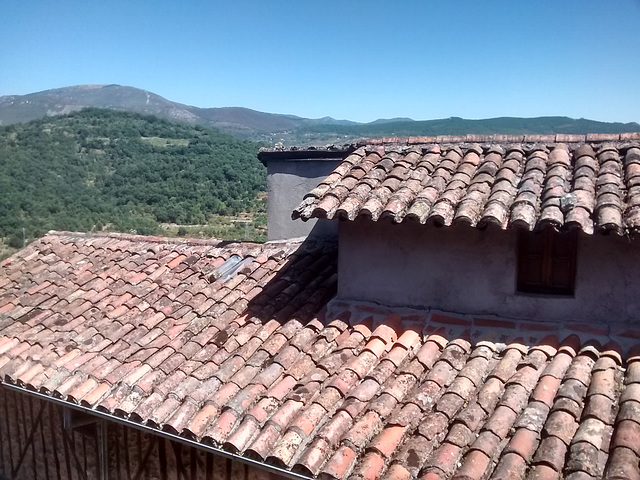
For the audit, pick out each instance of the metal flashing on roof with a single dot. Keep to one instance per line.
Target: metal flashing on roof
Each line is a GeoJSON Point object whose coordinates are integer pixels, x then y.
{"type": "Point", "coordinates": [229, 268]}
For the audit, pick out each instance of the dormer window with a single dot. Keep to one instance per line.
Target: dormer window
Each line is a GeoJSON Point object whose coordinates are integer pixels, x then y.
{"type": "Point", "coordinates": [547, 262]}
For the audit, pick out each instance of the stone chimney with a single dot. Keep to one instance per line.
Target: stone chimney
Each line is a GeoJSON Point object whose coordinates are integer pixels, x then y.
{"type": "Point", "coordinates": [291, 174]}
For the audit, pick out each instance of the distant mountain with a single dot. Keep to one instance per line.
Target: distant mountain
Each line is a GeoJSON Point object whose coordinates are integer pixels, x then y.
{"type": "Point", "coordinates": [23, 108]}
{"type": "Point", "coordinates": [392, 120]}
{"type": "Point", "coordinates": [242, 122]}
{"type": "Point", "coordinates": [278, 128]}
{"type": "Point", "coordinates": [461, 126]}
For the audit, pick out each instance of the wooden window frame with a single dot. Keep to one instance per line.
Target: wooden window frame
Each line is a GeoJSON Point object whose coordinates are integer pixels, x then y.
{"type": "Point", "coordinates": [553, 255]}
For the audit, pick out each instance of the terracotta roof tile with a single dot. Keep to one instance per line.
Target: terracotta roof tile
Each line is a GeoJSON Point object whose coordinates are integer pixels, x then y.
{"type": "Point", "coordinates": [334, 392]}
{"type": "Point", "coordinates": [572, 181]}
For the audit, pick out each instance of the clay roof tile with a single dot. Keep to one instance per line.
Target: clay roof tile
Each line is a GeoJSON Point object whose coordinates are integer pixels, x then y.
{"type": "Point", "coordinates": [358, 393]}
{"type": "Point", "coordinates": [456, 191]}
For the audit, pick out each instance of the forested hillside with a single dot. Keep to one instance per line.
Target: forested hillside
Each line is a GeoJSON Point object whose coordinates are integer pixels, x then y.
{"type": "Point", "coordinates": [103, 169]}
{"type": "Point", "coordinates": [461, 126]}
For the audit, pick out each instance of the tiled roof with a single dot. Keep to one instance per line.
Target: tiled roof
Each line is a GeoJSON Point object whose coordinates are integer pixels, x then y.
{"type": "Point", "coordinates": [589, 182]}
{"type": "Point", "coordinates": [256, 364]}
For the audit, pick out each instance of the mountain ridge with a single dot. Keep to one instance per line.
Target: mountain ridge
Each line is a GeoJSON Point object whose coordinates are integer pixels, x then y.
{"type": "Point", "coordinates": [275, 128]}
{"type": "Point", "coordinates": [59, 101]}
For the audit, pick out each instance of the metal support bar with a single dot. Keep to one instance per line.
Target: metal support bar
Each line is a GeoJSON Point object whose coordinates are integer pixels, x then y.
{"type": "Point", "coordinates": [104, 450]}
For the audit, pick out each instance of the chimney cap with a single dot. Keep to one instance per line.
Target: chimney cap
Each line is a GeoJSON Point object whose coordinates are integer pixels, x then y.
{"type": "Point", "coordinates": [329, 152]}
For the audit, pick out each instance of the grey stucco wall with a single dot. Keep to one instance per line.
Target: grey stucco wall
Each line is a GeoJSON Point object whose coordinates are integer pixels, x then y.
{"type": "Point", "coordinates": [462, 269]}
{"type": "Point", "coordinates": [288, 181]}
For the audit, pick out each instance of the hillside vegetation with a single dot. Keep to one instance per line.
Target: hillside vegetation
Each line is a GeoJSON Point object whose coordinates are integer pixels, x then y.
{"type": "Point", "coordinates": [461, 126]}
{"type": "Point", "coordinates": [103, 169]}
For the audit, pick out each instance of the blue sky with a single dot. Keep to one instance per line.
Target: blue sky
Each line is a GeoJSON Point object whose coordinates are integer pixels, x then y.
{"type": "Point", "coordinates": [359, 60]}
